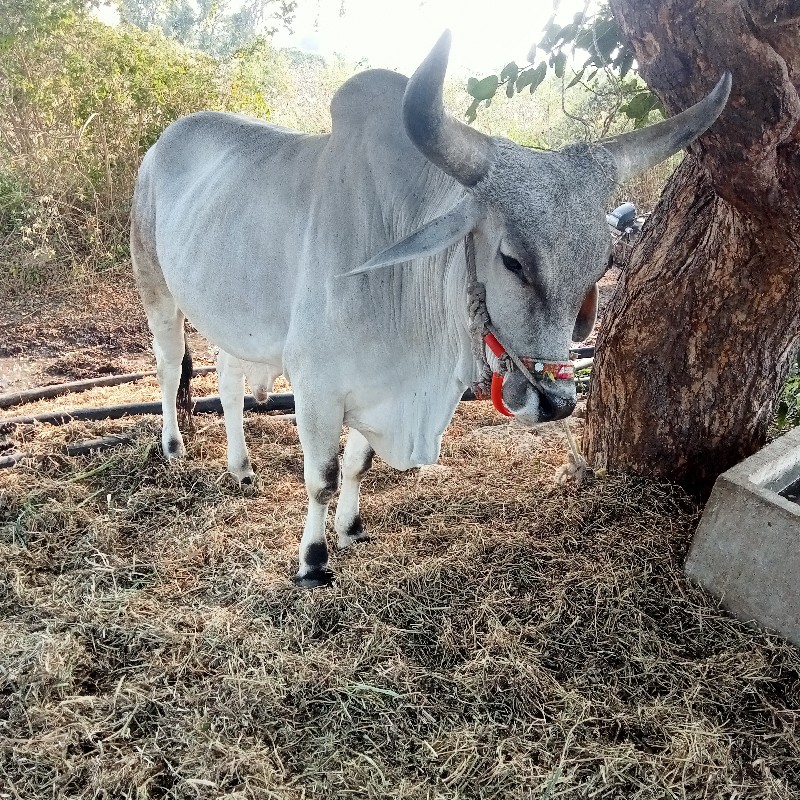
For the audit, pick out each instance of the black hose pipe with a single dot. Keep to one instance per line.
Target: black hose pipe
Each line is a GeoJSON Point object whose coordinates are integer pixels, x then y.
{"type": "Point", "coordinates": [75, 449]}
{"type": "Point", "coordinates": [11, 459]}
{"type": "Point", "coordinates": [282, 403]}
{"type": "Point", "coordinates": [58, 389]}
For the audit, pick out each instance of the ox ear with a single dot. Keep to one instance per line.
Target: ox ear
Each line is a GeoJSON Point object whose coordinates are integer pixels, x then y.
{"type": "Point", "coordinates": [587, 316]}
{"type": "Point", "coordinates": [431, 238]}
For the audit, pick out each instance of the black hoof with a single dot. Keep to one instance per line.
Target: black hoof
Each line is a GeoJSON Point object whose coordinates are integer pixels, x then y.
{"type": "Point", "coordinates": [354, 534]}
{"type": "Point", "coordinates": [314, 578]}
{"type": "Point", "coordinates": [248, 480]}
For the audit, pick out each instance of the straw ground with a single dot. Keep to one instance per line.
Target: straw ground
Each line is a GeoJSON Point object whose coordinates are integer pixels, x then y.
{"type": "Point", "coordinates": [499, 637]}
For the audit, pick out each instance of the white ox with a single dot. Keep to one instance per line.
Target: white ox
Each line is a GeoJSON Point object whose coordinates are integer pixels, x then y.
{"type": "Point", "coordinates": [249, 229]}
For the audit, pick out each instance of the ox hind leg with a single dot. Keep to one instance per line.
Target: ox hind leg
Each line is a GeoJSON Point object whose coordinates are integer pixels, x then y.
{"type": "Point", "coordinates": [174, 369]}
{"type": "Point", "coordinates": [231, 373]}
{"type": "Point", "coordinates": [173, 362]}
{"type": "Point", "coordinates": [230, 378]}
{"type": "Point", "coordinates": [356, 462]}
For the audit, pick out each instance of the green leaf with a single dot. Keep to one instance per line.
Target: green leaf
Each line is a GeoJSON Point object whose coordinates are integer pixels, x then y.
{"type": "Point", "coordinates": [783, 413]}
{"type": "Point", "coordinates": [567, 34]}
{"type": "Point", "coordinates": [510, 72]}
{"type": "Point", "coordinates": [585, 39]}
{"type": "Point", "coordinates": [484, 89]}
{"type": "Point", "coordinates": [607, 40]}
{"type": "Point", "coordinates": [550, 37]}
{"type": "Point", "coordinates": [472, 112]}
{"type": "Point", "coordinates": [538, 76]}
{"type": "Point", "coordinates": [639, 107]}
{"type": "Point", "coordinates": [510, 89]}
{"type": "Point", "coordinates": [524, 79]}
{"type": "Point", "coordinates": [625, 63]}
{"type": "Point", "coordinates": [559, 62]}
{"type": "Point", "coordinates": [471, 84]}
{"type": "Point", "coordinates": [576, 79]}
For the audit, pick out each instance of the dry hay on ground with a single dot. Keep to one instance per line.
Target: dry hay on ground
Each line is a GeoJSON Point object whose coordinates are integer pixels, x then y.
{"type": "Point", "coordinates": [498, 638]}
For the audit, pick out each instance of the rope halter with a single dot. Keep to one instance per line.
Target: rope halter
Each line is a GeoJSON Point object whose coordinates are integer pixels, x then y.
{"type": "Point", "coordinates": [536, 371]}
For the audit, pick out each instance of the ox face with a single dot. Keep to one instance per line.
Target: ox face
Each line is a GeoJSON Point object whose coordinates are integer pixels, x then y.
{"type": "Point", "coordinates": [540, 249]}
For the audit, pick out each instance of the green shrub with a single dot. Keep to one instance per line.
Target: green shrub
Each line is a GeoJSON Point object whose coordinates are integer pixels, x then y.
{"type": "Point", "coordinates": [14, 203]}
{"type": "Point", "coordinates": [789, 405]}
{"type": "Point", "coordinates": [86, 101]}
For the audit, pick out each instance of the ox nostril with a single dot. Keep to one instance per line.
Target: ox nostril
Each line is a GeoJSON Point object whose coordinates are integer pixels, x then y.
{"type": "Point", "coordinates": [553, 407]}
{"type": "Point", "coordinates": [547, 409]}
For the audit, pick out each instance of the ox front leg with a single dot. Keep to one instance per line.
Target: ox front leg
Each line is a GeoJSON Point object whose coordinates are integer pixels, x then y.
{"type": "Point", "coordinates": [355, 464]}
{"type": "Point", "coordinates": [320, 427]}
{"type": "Point", "coordinates": [230, 377]}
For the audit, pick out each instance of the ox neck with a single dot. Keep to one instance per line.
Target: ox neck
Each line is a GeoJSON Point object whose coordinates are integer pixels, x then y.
{"type": "Point", "coordinates": [429, 298]}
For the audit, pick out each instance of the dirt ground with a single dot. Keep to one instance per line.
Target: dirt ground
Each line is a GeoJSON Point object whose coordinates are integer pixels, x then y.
{"type": "Point", "coordinates": [89, 331]}
{"type": "Point", "coordinates": [500, 637]}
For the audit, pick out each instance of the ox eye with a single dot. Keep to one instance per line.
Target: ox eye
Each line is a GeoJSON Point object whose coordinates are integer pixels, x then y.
{"type": "Point", "coordinates": [512, 264]}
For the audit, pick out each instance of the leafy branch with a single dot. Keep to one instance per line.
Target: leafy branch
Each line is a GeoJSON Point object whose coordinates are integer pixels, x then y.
{"type": "Point", "coordinates": [600, 37]}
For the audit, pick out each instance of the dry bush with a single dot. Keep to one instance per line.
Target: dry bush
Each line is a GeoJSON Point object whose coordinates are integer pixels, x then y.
{"type": "Point", "coordinates": [555, 116]}
{"type": "Point", "coordinates": [303, 102]}
{"type": "Point", "coordinates": [84, 103]}
{"type": "Point", "coordinates": [645, 189]}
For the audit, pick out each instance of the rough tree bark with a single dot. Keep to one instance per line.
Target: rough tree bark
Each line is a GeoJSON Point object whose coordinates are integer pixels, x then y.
{"type": "Point", "coordinates": [700, 332]}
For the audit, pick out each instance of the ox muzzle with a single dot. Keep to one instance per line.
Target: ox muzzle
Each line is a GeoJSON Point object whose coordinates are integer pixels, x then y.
{"type": "Point", "coordinates": [529, 389]}
{"type": "Point", "coordinates": [545, 401]}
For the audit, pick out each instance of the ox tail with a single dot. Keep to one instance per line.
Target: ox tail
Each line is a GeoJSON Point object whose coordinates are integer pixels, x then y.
{"type": "Point", "coordinates": [184, 398]}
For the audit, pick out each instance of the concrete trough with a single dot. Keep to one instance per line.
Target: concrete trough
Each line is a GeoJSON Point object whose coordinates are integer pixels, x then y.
{"type": "Point", "coordinates": [747, 548]}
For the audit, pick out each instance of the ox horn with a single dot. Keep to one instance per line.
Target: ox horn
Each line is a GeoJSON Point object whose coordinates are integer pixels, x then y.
{"type": "Point", "coordinates": [639, 150]}
{"type": "Point", "coordinates": [460, 151]}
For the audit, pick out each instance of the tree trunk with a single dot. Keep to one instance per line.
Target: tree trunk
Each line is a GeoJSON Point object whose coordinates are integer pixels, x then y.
{"type": "Point", "coordinates": [699, 336]}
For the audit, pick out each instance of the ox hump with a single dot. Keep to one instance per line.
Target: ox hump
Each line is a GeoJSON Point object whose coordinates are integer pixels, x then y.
{"type": "Point", "coordinates": [375, 95]}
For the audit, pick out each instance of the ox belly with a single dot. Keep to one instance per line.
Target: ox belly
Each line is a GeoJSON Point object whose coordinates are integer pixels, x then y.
{"type": "Point", "coordinates": [402, 417]}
